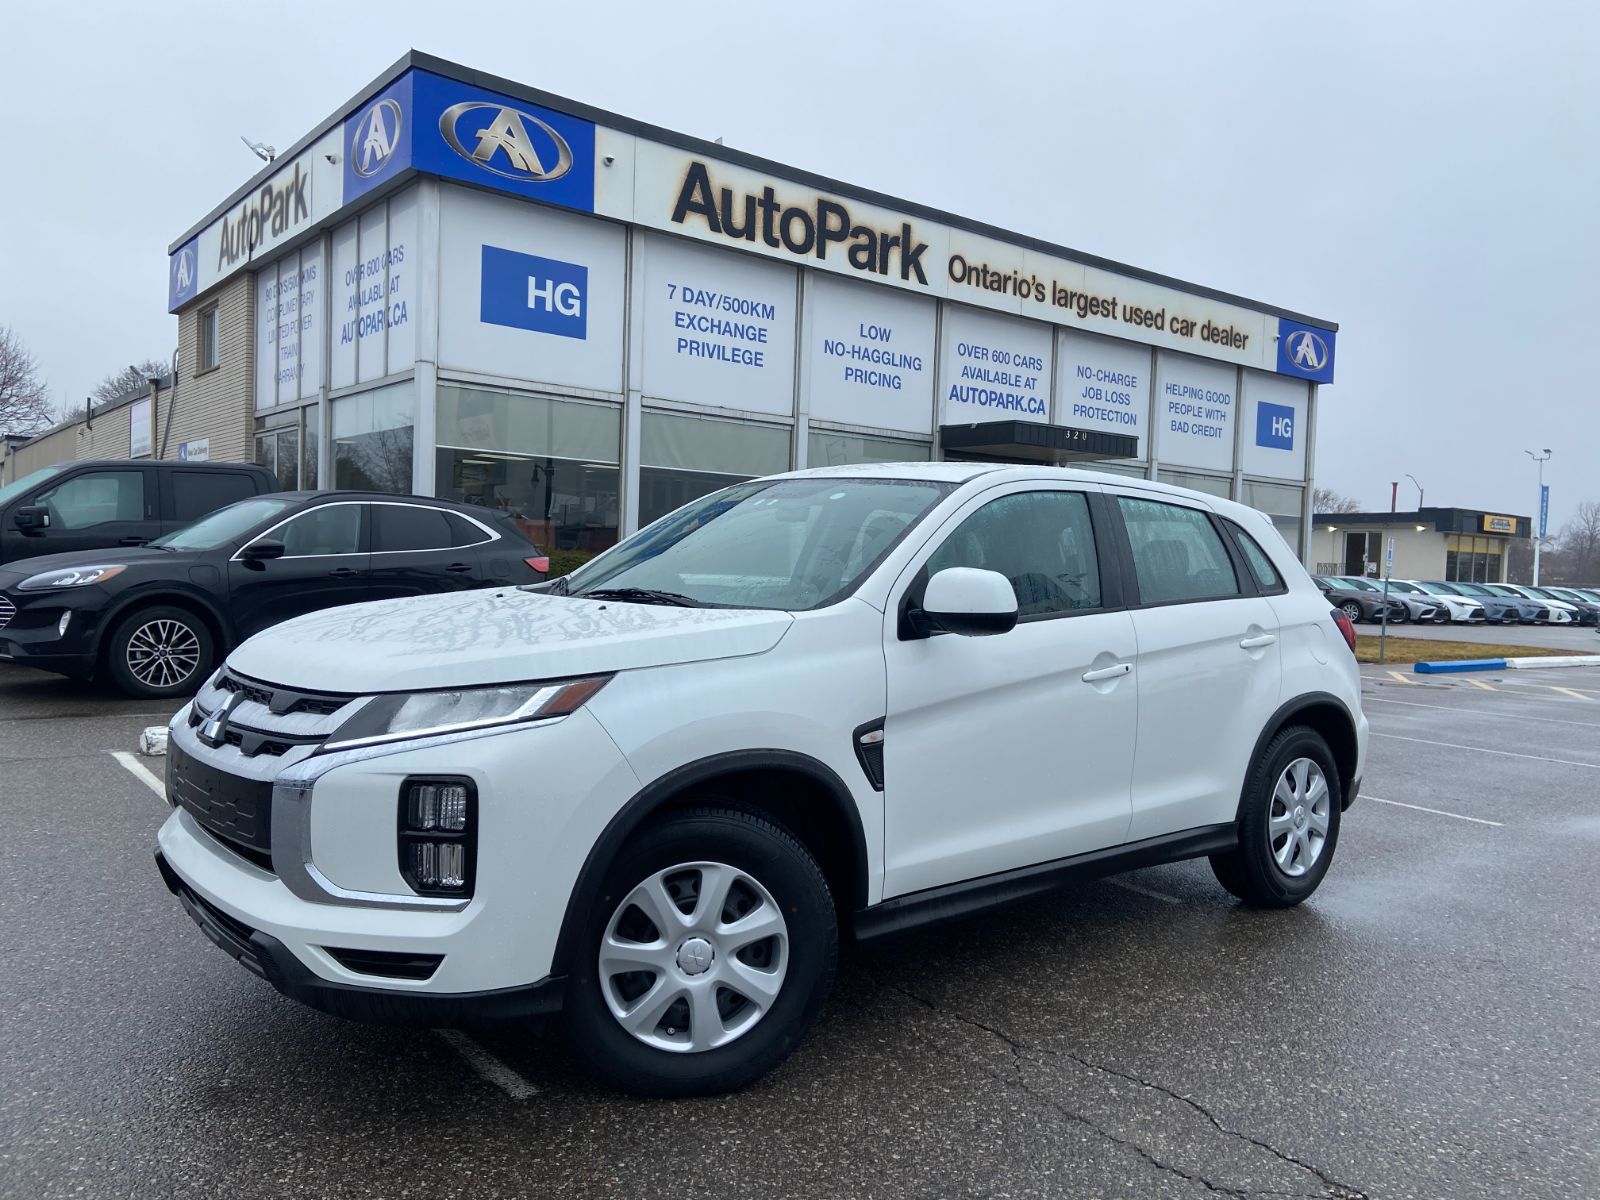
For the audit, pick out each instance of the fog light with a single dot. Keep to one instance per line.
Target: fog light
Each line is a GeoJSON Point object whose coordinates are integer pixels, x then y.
{"type": "Point", "coordinates": [439, 806]}
{"type": "Point", "coordinates": [438, 837]}
{"type": "Point", "coordinates": [61, 625]}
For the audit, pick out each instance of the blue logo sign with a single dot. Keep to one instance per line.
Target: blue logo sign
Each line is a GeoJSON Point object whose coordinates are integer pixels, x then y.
{"type": "Point", "coordinates": [377, 140]}
{"type": "Point", "coordinates": [524, 291]}
{"type": "Point", "coordinates": [1544, 508]}
{"type": "Point", "coordinates": [183, 277]}
{"type": "Point", "coordinates": [1275, 426]}
{"type": "Point", "coordinates": [482, 137]}
{"type": "Point", "coordinates": [1305, 351]}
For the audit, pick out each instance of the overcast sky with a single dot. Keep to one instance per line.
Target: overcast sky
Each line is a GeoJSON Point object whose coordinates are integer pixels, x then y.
{"type": "Point", "coordinates": [1425, 174]}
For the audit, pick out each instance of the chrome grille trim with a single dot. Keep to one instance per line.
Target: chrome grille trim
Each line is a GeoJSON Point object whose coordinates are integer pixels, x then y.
{"type": "Point", "coordinates": [7, 611]}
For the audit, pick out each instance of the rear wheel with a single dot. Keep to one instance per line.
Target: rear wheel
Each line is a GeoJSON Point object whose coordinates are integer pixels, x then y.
{"type": "Point", "coordinates": [706, 956]}
{"type": "Point", "coordinates": [160, 652]}
{"type": "Point", "coordinates": [1288, 823]}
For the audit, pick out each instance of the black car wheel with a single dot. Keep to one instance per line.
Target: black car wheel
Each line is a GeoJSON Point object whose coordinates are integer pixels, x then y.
{"type": "Point", "coordinates": [706, 955]}
{"type": "Point", "coordinates": [160, 652]}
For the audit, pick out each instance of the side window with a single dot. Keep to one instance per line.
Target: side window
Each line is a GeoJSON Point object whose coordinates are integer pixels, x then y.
{"type": "Point", "coordinates": [463, 532]}
{"type": "Point", "coordinates": [1267, 577]}
{"type": "Point", "coordinates": [1177, 554]}
{"type": "Point", "coordinates": [95, 498]}
{"type": "Point", "coordinates": [1041, 541]}
{"type": "Point", "coordinates": [196, 493]}
{"type": "Point", "coordinates": [408, 527]}
{"type": "Point", "coordinates": [331, 529]}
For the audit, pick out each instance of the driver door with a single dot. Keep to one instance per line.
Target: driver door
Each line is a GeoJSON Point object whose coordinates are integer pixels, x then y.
{"type": "Point", "coordinates": [1013, 749]}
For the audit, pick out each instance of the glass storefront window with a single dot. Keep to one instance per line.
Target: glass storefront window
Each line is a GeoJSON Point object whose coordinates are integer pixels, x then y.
{"type": "Point", "coordinates": [308, 447]}
{"type": "Point", "coordinates": [1211, 485]}
{"type": "Point", "coordinates": [1283, 503]}
{"type": "Point", "coordinates": [825, 448]}
{"type": "Point", "coordinates": [551, 464]}
{"type": "Point", "coordinates": [372, 436]}
{"type": "Point", "coordinates": [1469, 559]}
{"type": "Point", "coordinates": [683, 457]}
{"type": "Point", "coordinates": [1113, 466]}
{"type": "Point", "coordinates": [279, 442]}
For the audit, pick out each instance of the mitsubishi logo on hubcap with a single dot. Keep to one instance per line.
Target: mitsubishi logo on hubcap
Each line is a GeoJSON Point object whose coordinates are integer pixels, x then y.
{"type": "Point", "coordinates": [1299, 817]}
{"type": "Point", "coordinates": [695, 956]}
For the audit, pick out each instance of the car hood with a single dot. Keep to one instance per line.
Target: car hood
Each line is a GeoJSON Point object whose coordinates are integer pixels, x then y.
{"type": "Point", "coordinates": [13, 573]}
{"type": "Point", "coordinates": [494, 635]}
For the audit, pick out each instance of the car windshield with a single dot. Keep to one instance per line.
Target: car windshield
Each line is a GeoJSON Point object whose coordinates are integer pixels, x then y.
{"type": "Point", "coordinates": [1396, 585]}
{"type": "Point", "coordinates": [1468, 589]}
{"type": "Point", "coordinates": [223, 526]}
{"type": "Point", "coordinates": [1438, 589]}
{"type": "Point", "coordinates": [17, 487]}
{"type": "Point", "coordinates": [1361, 585]}
{"type": "Point", "coordinates": [786, 544]}
{"type": "Point", "coordinates": [1500, 589]}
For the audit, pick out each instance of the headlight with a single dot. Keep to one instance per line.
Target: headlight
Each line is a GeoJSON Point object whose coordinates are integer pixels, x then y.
{"type": "Point", "coordinates": [424, 714]}
{"type": "Point", "coordinates": [65, 577]}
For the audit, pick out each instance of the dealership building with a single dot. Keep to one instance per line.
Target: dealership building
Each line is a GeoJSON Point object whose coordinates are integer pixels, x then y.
{"type": "Point", "coordinates": [464, 287]}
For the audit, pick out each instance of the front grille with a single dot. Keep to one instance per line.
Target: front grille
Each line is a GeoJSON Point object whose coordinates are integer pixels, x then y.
{"type": "Point", "coordinates": [280, 701]}
{"type": "Point", "coordinates": [236, 812]}
{"type": "Point", "coordinates": [7, 611]}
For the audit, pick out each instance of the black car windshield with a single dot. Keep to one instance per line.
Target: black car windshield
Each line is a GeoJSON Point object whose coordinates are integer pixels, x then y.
{"type": "Point", "coordinates": [224, 525]}
{"type": "Point", "coordinates": [15, 488]}
{"type": "Point", "coordinates": [781, 544]}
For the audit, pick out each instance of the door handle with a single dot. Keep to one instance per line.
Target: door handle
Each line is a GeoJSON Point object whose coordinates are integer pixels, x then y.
{"type": "Point", "coordinates": [1256, 643]}
{"type": "Point", "coordinates": [459, 568]}
{"type": "Point", "coordinates": [1112, 672]}
{"type": "Point", "coordinates": [344, 572]}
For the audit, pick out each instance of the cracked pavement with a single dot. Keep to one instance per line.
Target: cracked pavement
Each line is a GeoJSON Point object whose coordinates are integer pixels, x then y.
{"type": "Point", "coordinates": [1423, 1028]}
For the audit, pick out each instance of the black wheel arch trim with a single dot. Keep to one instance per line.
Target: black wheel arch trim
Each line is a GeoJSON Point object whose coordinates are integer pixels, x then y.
{"type": "Point", "coordinates": [177, 597]}
{"type": "Point", "coordinates": [1348, 783]}
{"type": "Point", "coordinates": [655, 795]}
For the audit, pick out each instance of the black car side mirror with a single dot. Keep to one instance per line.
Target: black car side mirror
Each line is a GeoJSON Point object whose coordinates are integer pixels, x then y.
{"type": "Point", "coordinates": [262, 549]}
{"type": "Point", "coordinates": [31, 519]}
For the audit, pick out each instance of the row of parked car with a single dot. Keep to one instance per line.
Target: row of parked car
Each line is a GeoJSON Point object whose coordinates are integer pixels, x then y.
{"type": "Point", "coordinates": [1439, 602]}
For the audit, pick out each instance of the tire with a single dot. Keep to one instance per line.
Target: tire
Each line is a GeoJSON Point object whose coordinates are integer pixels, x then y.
{"type": "Point", "coordinates": [136, 664]}
{"type": "Point", "coordinates": [729, 1038]}
{"type": "Point", "coordinates": [1352, 610]}
{"type": "Point", "coordinates": [1258, 871]}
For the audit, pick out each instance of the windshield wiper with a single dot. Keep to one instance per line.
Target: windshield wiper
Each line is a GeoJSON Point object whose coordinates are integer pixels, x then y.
{"type": "Point", "coordinates": [635, 595]}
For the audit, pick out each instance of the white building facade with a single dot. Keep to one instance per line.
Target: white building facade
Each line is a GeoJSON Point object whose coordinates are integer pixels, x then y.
{"type": "Point", "coordinates": [466, 288]}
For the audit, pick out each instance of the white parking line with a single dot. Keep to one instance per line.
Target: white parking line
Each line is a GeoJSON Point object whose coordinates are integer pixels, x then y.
{"type": "Point", "coordinates": [141, 772]}
{"type": "Point", "coordinates": [1479, 712]}
{"type": "Point", "coordinates": [1438, 812]}
{"type": "Point", "coordinates": [1566, 762]}
{"type": "Point", "coordinates": [1144, 891]}
{"type": "Point", "coordinates": [487, 1065]}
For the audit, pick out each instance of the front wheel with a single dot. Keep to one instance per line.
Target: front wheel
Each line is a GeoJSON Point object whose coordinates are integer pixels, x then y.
{"type": "Point", "coordinates": [1352, 610]}
{"type": "Point", "coordinates": [160, 653]}
{"type": "Point", "coordinates": [707, 955]}
{"type": "Point", "coordinates": [1288, 823]}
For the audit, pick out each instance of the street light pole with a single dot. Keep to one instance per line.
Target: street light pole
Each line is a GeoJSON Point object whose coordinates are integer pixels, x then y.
{"type": "Point", "coordinates": [1413, 479]}
{"type": "Point", "coordinates": [1538, 534]}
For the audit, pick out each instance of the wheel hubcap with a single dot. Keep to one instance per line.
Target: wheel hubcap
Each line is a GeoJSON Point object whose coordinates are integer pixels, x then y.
{"type": "Point", "coordinates": [694, 957]}
{"type": "Point", "coordinates": [163, 653]}
{"type": "Point", "coordinates": [1297, 822]}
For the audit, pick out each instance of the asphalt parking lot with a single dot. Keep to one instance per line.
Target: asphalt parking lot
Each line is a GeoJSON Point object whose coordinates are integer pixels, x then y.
{"type": "Point", "coordinates": [1424, 1027]}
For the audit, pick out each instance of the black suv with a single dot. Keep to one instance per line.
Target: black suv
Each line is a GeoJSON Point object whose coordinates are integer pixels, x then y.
{"type": "Point", "coordinates": [156, 619]}
{"type": "Point", "coordinates": [97, 504]}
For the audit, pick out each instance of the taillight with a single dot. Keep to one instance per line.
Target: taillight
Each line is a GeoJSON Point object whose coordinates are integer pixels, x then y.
{"type": "Point", "coordinates": [540, 563]}
{"type": "Point", "coordinates": [1346, 627]}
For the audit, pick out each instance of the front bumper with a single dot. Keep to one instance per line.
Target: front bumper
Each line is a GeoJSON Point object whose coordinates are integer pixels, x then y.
{"type": "Point", "coordinates": [266, 956]}
{"type": "Point", "coordinates": [30, 636]}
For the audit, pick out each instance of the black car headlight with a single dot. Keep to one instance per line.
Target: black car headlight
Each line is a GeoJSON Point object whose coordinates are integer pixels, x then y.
{"type": "Point", "coordinates": [401, 717]}
{"type": "Point", "coordinates": [68, 577]}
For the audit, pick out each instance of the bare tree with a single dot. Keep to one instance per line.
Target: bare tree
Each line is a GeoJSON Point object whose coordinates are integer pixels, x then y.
{"type": "Point", "coordinates": [1580, 545]}
{"type": "Point", "coordinates": [1326, 500]}
{"type": "Point", "coordinates": [130, 379]}
{"type": "Point", "coordinates": [24, 398]}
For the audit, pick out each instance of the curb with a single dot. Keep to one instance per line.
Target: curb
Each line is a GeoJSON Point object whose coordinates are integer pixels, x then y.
{"type": "Point", "coordinates": [1503, 664]}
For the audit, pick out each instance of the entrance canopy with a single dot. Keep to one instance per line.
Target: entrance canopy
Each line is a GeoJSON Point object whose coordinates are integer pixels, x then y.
{"type": "Point", "coordinates": [1035, 442]}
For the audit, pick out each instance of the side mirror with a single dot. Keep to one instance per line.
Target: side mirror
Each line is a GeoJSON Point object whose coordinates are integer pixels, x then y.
{"type": "Point", "coordinates": [970, 602]}
{"type": "Point", "coordinates": [262, 549]}
{"type": "Point", "coordinates": [31, 519]}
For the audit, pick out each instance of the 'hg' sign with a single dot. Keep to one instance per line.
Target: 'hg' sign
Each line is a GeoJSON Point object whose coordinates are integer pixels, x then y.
{"type": "Point", "coordinates": [524, 291]}
{"type": "Point", "coordinates": [1275, 426]}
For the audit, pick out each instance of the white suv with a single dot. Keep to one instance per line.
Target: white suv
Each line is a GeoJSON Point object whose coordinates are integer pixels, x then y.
{"type": "Point", "coordinates": [837, 702]}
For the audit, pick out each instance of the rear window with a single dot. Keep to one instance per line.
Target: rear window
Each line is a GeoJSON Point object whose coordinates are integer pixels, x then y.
{"type": "Point", "coordinates": [1178, 555]}
{"type": "Point", "coordinates": [196, 493]}
{"type": "Point", "coordinates": [1266, 575]}
{"type": "Point", "coordinates": [463, 532]}
{"type": "Point", "coordinates": [409, 527]}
